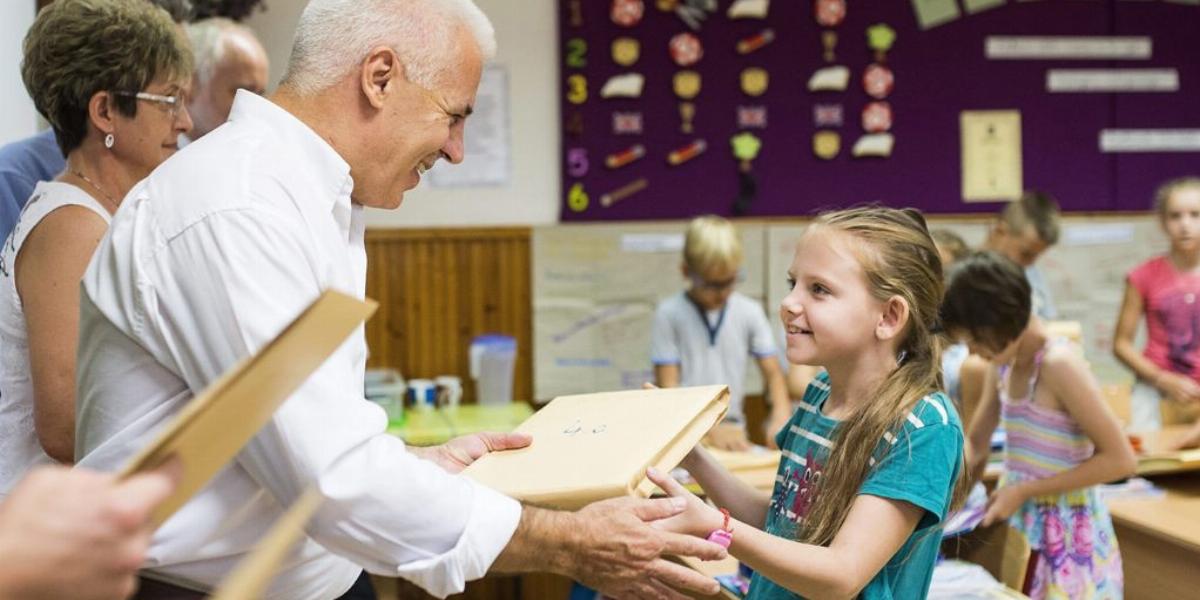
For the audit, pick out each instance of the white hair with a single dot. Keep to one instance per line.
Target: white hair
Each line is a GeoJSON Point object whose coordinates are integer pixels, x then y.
{"type": "Point", "coordinates": [333, 36]}
{"type": "Point", "coordinates": [208, 44]}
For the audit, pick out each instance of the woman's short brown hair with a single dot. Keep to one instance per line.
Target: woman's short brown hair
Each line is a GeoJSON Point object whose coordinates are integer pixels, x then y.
{"type": "Point", "coordinates": [76, 48]}
{"type": "Point", "coordinates": [988, 297]}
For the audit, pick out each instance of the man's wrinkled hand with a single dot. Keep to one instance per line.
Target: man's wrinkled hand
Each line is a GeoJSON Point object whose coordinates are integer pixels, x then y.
{"type": "Point", "coordinates": [460, 452]}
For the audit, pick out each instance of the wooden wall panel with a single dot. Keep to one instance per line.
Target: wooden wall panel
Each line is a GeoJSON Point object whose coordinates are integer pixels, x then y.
{"type": "Point", "coordinates": [438, 288]}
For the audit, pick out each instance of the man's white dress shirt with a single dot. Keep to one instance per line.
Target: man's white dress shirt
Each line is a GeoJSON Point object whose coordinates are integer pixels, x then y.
{"type": "Point", "coordinates": [209, 258]}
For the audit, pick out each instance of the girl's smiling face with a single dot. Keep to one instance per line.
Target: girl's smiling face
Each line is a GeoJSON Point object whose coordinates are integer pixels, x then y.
{"type": "Point", "coordinates": [830, 314]}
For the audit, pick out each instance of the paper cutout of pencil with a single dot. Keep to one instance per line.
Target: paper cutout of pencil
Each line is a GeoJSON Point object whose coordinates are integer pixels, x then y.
{"type": "Point", "coordinates": [624, 192]}
{"type": "Point", "coordinates": [683, 154]}
{"type": "Point", "coordinates": [617, 160]}
{"type": "Point", "coordinates": [747, 45]}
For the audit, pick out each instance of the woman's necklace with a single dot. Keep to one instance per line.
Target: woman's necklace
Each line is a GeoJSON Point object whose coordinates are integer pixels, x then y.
{"type": "Point", "coordinates": [111, 203]}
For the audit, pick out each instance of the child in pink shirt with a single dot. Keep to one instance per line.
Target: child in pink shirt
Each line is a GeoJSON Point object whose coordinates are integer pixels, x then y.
{"type": "Point", "coordinates": [1166, 289]}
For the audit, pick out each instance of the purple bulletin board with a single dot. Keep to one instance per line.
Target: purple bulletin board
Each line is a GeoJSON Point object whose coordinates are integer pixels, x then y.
{"type": "Point", "coordinates": [938, 73]}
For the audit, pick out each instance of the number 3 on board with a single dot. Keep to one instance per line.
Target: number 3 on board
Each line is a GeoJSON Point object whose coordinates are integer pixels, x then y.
{"type": "Point", "coordinates": [577, 92]}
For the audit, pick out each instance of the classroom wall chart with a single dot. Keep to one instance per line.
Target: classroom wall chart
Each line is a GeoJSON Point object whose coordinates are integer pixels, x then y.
{"type": "Point", "coordinates": [673, 108]}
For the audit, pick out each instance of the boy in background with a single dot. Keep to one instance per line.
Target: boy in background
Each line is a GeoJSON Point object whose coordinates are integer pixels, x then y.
{"type": "Point", "coordinates": [703, 335]}
{"type": "Point", "coordinates": [1022, 232]}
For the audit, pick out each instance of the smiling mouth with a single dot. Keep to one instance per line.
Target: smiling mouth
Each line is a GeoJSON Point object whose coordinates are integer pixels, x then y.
{"type": "Point", "coordinates": [799, 330]}
{"type": "Point", "coordinates": [424, 167]}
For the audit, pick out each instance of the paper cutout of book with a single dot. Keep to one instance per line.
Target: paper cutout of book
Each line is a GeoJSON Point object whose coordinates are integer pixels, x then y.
{"type": "Point", "coordinates": [627, 85]}
{"type": "Point", "coordinates": [829, 79]}
{"type": "Point", "coordinates": [214, 425]}
{"type": "Point", "coordinates": [254, 573]}
{"type": "Point", "coordinates": [875, 144]}
{"type": "Point", "coordinates": [591, 447]}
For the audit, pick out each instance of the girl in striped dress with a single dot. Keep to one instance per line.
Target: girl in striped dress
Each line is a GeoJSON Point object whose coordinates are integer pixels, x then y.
{"type": "Point", "coordinates": [1062, 440]}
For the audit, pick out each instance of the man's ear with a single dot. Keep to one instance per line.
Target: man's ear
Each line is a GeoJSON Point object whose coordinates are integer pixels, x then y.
{"type": "Point", "coordinates": [893, 319]}
{"type": "Point", "coordinates": [683, 268]}
{"type": "Point", "coordinates": [381, 74]}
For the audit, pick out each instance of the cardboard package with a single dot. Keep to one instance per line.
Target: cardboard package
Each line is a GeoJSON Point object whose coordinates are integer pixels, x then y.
{"type": "Point", "coordinates": [590, 447]}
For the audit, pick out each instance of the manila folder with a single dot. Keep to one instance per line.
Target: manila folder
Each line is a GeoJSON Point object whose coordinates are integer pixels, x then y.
{"type": "Point", "coordinates": [591, 447]}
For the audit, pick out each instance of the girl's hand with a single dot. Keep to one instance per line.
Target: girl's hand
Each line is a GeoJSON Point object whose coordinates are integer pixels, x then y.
{"type": "Point", "coordinates": [1003, 503]}
{"type": "Point", "coordinates": [1178, 388]}
{"type": "Point", "coordinates": [728, 436]}
{"type": "Point", "coordinates": [1190, 439]}
{"type": "Point", "coordinates": [698, 519]}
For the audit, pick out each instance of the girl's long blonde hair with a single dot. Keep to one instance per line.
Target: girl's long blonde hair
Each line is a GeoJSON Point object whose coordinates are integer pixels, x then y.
{"type": "Point", "coordinates": [900, 260]}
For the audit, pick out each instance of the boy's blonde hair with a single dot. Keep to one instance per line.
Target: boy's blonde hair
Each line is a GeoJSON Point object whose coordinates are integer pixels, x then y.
{"type": "Point", "coordinates": [1035, 209]}
{"type": "Point", "coordinates": [711, 241]}
{"type": "Point", "coordinates": [1164, 192]}
{"type": "Point", "coordinates": [899, 259]}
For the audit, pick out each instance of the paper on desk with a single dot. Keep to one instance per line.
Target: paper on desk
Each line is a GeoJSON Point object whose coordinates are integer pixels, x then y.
{"type": "Point", "coordinates": [214, 425]}
{"type": "Point", "coordinates": [590, 447]}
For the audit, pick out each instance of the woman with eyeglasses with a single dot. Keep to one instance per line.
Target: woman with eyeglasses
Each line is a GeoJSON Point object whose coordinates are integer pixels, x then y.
{"type": "Point", "coordinates": [111, 78]}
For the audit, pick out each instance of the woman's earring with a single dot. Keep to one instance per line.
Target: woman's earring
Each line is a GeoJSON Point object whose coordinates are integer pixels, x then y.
{"type": "Point", "coordinates": [108, 141]}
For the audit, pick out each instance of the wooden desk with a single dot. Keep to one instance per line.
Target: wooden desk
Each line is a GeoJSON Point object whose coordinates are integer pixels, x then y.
{"type": "Point", "coordinates": [1152, 442]}
{"type": "Point", "coordinates": [1160, 541]}
{"type": "Point", "coordinates": [431, 427]}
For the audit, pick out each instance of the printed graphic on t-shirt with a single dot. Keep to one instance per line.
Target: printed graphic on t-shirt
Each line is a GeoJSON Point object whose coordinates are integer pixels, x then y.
{"type": "Point", "coordinates": [1180, 317]}
{"type": "Point", "coordinates": [798, 490]}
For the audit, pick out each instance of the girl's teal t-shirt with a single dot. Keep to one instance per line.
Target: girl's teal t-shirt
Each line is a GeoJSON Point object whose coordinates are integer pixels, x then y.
{"type": "Point", "coordinates": [918, 466]}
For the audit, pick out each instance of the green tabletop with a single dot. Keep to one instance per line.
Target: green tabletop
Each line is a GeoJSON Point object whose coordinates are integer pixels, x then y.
{"type": "Point", "coordinates": [430, 427]}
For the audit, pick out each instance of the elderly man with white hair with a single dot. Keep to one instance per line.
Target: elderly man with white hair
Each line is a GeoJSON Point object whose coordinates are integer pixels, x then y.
{"type": "Point", "coordinates": [221, 246]}
{"type": "Point", "coordinates": [228, 58]}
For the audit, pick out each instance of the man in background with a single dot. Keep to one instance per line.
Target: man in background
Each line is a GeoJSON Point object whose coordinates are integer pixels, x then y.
{"type": "Point", "coordinates": [228, 58]}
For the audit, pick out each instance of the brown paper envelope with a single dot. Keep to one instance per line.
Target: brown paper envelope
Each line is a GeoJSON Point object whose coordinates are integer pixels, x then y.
{"type": "Point", "coordinates": [254, 573]}
{"type": "Point", "coordinates": [591, 447]}
{"type": "Point", "coordinates": [213, 426]}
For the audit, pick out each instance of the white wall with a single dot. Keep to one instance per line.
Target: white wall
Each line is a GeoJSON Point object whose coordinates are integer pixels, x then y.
{"type": "Point", "coordinates": [18, 118]}
{"type": "Point", "coordinates": [527, 37]}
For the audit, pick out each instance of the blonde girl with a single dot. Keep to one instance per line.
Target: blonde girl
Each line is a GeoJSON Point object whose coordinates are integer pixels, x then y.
{"type": "Point", "coordinates": [872, 456]}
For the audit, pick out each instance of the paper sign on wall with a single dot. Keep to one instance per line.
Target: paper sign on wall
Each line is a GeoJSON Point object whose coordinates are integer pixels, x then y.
{"type": "Point", "coordinates": [1150, 140]}
{"type": "Point", "coordinates": [1099, 81]}
{"type": "Point", "coordinates": [931, 13]}
{"type": "Point", "coordinates": [975, 6]}
{"type": "Point", "coordinates": [991, 155]}
{"type": "Point", "coordinates": [1067, 47]}
{"type": "Point", "coordinates": [487, 157]}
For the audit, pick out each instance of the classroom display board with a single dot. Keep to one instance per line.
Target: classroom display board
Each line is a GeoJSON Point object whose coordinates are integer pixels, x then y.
{"type": "Point", "coordinates": [596, 287]}
{"type": "Point", "coordinates": [672, 108]}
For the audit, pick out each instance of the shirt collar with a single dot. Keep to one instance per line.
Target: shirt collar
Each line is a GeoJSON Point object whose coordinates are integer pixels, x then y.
{"type": "Point", "coordinates": [322, 163]}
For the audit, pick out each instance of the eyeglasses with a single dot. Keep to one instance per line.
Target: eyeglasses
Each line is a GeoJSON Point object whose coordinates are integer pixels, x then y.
{"type": "Point", "coordinates": [173, 103]}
